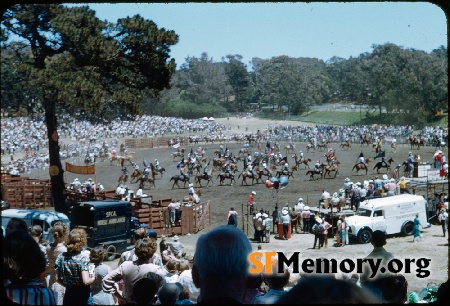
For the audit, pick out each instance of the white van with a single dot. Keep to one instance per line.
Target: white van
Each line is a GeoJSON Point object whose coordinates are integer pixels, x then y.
{"type": "Point", "coordinates": [391, 215]}
{"type": "Point", "coordinates": [45, 218]}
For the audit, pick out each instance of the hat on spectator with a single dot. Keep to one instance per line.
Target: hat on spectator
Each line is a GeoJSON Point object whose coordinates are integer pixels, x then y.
{"type": "Point", "coordinates": [176, 238]}
{"type": "Point", "coordinates": [385, 177]}
{"type": "Point", "coordinates": [254, 192]}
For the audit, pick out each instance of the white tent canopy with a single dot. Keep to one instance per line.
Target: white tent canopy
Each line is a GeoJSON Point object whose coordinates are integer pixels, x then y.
{"type": "Point", "coordinates": [205, 119]}
{"type": "Point", "coordinates": [211, 119]}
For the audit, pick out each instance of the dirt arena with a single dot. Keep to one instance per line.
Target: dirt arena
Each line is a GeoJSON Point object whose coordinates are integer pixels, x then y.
{"type": "Point", "coordinates": [434, 246]}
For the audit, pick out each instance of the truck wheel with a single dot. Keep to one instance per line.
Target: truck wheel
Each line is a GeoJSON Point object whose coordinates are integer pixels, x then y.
{"type": "Point", "coordinates": [408, 229]}
{"type": "Point", "coordinates": [364, 236]}
{"type": "Point", "coordinates": [110, 253]}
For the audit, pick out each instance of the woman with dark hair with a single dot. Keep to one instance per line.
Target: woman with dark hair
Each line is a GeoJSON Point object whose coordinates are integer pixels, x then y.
{"type": "Point", "coordinates": [24, 286]}
{"type": "Point", "coordinates": [73, 270]}
{"type": "Point", "coordinates": [99, 297]}
{"type": "Point", "coordinates": [132, 271]}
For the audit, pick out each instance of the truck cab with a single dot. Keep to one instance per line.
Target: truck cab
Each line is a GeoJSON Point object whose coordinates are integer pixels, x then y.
{"type": "Point", "coordinates": [392, 215]}
{"type": "Point", "coordinates": [108, 223]}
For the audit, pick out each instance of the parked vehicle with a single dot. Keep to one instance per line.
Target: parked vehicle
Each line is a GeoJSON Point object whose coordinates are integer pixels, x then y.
{"type": "Point", "coordinates": [108, 223]}
{"type": "Point", "coordinates": [392, 215]}
{"type": "Point", "coordinates": [44, 218]}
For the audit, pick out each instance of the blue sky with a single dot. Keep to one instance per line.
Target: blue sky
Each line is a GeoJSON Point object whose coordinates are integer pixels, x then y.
{"type": "Point", "coordinates": [266, 30]}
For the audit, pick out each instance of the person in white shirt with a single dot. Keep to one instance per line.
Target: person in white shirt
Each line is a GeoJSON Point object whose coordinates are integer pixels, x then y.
{"type": "Point", "coordinates": [443, 219]}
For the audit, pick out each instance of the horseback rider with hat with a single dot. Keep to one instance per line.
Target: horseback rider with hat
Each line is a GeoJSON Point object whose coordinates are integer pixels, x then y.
{"type": "Point", "coordinates": [250, 169]}
{"type": "Point", "coordinates": [317, 167]}
{"type": "Point", "coordinates": [265, 168]}
{"type": "Point", "coordinates": [361, 159]}
{"type": "Point", "coordinates": [157, 166]}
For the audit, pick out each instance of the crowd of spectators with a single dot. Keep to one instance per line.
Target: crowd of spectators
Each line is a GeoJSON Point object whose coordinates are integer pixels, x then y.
{"type": "Point", "coordinates": [217, 273]}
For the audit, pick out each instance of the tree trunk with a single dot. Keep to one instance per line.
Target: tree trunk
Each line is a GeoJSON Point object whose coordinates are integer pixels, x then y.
{"type": "Point", "coordinates": [55, 170]}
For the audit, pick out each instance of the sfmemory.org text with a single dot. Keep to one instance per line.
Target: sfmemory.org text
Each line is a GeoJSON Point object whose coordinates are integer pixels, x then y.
{"type": "Point", "coordinates": [324, 265]}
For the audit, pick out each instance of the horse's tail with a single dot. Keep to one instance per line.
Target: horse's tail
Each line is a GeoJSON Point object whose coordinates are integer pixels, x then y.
{"type": "Point", "coordinates": [172, 178]}
{"type": "Point", "coordinates": [309, 159]}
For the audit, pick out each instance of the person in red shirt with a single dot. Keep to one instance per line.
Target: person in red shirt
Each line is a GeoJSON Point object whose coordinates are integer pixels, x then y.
{"type": "Point", "coordinates": [251, 201]}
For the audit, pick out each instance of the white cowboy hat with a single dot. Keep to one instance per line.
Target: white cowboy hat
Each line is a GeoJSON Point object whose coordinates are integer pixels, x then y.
{"type": "Point", "coordinates": [319, 220]}
{"type": "Point", "coordinates": [306, 207]}
{"type": "Point", "coordinates": [347, 179]}
{"type": "Point", "coordinates": [335, 195]}
{"type": "Point", "coordinates": [254, 192]}
{"type": "Point", "coordinates": [358, 183]}
{"type": "Point", "coordinates": [370, 181]}
{"type": "Point", "coordinates": [258, 215]}
{"type": "Point", "coordinates": [402, 178]}
{"type": "Point", "coordinates": [191, 185]}
{"type": "Point", "coordinates": [175, 238]}
{"type": "Point", "coordinates": [265, 215]}
{"type": "Point", "coordinates": [76, 179]}
{"type": "Point", "coordinates": [392, 180]}
{"type": "Point", "coordinates": [284, 212]}
{"type": "Point", "coordinates": [300, 199]}
{"type": "Point", "coordinates": [385, 177]}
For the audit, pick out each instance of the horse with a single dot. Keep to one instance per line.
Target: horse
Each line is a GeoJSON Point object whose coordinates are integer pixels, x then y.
{"type": "Point", "coordinates": [122, 179]}
{"type": "Point", "coordinates": [310, 146]}
{"type": "Point", "coordinates": [259, 173]}
{"type": "Point", "coordinates": [285, 172]}
{"type": "Point", "coordinates": [289, 149]}
{"type": "Point", "coordinates": [194, 198]}
{"type": "Point", "coordinates": [224, 176]}
{"type": "Point", "coordinates": [298, 161]}
{"type": "Point", "coordinates": [345, 144]}
{"type": "Point", "coordinates": [245, 175]}
{"type": "Point", "coordinates": [179, 178]}
{"type": "Point", "coordinates": [380, 165]}
{"type": "Point", "coordinates": [360, 166]}
{"type": "Point", "coordinates": [322, 146]}
{"type": "Point", "coordinates": [136, 175]}
{"type": "Point", "coordinates": [160, 170]}
{"type": "Point", "coordinates": [149, 178]}
{"type": "Point", "coordinates": [177, 154]}
{"type": "Point", "coordinates": [365, 141]}
{"type": "Point", "coordinates": [329, 169]}
{"type": "Point", "coordinates": [313, 172]}
{"type": "Point", "coordinates": [207, 177]}
{"type": "Point", "coordinates": [243, 151]}
{"type": "Point", "coordinates": [413, 142]}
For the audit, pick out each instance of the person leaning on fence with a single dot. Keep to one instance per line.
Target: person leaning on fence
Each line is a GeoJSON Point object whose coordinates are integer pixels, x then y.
{"type": "Point", "coordinates": [232, 217]}
{"type": "Point", "coordinates": [131, 272]}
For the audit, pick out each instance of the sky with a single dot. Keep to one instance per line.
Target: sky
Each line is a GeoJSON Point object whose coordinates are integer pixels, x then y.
{"type": "Point", "coordinates": [266, 30]}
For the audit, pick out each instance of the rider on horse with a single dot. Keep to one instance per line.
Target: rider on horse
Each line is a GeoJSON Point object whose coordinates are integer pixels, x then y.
{"type": "Point", "coordinates": [227, 168]}
{"type": "Point", "coordinates": [265, 168]}
{"type": "Point", "coordinates": [157, 166]}
{"type": "Point", "coordinates": [124, 171]}
{"type": "Point", "coordinates": [286, 167]}
{"type": "Point", "coordinates": [318, 167]}
{"type": "Point", "coordinates": [249, 158]}
{"type": "Point", "coordinates": [205, 172]}
{"type": "Point", "coordinates": [250, 169]}
{"type": "Point", "coordinates": [146, 172]}
{"type": "Point", "coordinates": [410, 161]}
{"type": "Point", "coordinates": [361, 159]}
{"type": "Point", "coordinates": [300, 155]}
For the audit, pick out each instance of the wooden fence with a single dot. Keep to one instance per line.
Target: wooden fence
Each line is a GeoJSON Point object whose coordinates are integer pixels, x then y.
{"type": "Point", "coordinates": [23, 192]}
{"type": "Point", "coordinates": [152, 143]}
{"type": "Point", "coordinates": [191, 218]}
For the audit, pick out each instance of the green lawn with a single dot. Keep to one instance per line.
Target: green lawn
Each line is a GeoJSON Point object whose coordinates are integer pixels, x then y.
{"type": "Point", "coordinates": [333, 117]}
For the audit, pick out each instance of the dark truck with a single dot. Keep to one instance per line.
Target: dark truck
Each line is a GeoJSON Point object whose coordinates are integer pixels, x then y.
{"type": "Point", "coordinates": [108, 223]}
